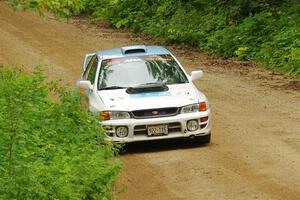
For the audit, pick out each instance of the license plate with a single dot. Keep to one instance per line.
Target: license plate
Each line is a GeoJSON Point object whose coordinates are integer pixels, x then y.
{"type": "Point", "coordinates": [158, 130]}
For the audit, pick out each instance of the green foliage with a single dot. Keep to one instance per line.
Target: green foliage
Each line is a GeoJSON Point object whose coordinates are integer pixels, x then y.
{"type": "Point", "coordinates": [263, 30]}
{"type": "Point", "coordinates": [242, 53]}
{"type": "Point", "coordinates": [267, 29]}
{"type": "Point", "coordinates": [50, 150]}
{"type": "Point", "coordinates": [283, 51]}
{"type": "Point", "coordinates": [58, 7]}
{"type": "Point", "coordinates": [98, 9]}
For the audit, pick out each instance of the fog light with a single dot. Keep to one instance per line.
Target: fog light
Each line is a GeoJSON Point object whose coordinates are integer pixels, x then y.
{"type": "Point", "coordinates": [192, 125]}
{"type": "Point", "coordinates": [122, 131]}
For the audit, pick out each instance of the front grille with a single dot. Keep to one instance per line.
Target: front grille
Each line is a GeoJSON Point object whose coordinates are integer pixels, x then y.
{"type": "Point", "coordinates": [151, 113]}
{"type": "Point", "coordinates": [142, 129]}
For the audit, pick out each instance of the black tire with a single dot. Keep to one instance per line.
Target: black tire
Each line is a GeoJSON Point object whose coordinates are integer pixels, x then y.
{"type": "Point", "coordinates": [203, 139]}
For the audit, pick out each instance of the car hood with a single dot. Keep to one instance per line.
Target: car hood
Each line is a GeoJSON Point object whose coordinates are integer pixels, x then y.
{"type": "Point", "coordinates": [177, 96]}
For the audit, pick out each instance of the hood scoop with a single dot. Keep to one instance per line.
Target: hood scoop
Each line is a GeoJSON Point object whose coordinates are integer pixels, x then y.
{"type": "Point", "coordinates": [133, 49]}
{"type": "Point", "coordinates": [149, 87]}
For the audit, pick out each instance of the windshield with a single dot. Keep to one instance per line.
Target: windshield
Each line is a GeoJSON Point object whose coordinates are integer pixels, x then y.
{"type": "Point", "coordinates": [138, 70]}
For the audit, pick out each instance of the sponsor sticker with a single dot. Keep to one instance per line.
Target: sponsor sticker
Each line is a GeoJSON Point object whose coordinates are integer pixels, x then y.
{"type": "Point", "coordinates": [150, 94]}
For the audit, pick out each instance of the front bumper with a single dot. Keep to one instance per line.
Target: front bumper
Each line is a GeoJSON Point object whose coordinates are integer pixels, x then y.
{"type": "Point", "coordinates": [137, 128]}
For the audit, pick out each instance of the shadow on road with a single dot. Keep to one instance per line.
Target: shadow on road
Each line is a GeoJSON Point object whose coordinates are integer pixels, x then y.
{"type": "Point", "coordinates": [160, 145]}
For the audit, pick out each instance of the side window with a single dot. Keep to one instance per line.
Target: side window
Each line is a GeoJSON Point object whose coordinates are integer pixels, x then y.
{"type": "Point", "coordinates": [92, 73]}
{"type": "Point", "coordinates": [88, 68]}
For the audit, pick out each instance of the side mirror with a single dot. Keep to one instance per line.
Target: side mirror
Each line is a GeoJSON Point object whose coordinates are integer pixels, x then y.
{"type": "Point", "coordinates": [196, 74]}
{"type": "Point", "coordinates": [84, 84]}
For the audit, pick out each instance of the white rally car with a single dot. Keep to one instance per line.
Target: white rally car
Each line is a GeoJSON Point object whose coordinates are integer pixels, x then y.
{"type": "Point", "coordinates": [143, 93]}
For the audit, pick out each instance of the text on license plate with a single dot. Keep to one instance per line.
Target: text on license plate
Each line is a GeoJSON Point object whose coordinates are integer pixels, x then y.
{"type": "Point", "coordinates": [157, 130]}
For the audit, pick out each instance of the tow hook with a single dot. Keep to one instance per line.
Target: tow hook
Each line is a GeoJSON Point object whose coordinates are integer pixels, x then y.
{"type": "Point", "coordinates": [192, 137]}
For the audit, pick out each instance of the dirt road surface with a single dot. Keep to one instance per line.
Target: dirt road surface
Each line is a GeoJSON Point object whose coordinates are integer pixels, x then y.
{"type": "Point", "coordinates": [255, 149]}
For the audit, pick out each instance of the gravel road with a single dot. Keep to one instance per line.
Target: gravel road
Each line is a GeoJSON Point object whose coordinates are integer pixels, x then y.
{"type": "Point", "coordinates": [255, 149]}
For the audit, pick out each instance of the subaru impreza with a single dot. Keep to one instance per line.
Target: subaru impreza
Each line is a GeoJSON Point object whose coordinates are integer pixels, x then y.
{"type": "Point", "coordinates": [143, 93]}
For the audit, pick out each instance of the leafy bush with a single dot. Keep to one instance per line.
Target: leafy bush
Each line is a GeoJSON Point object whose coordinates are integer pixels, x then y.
{"type": "Point", "coordinates": [58, 7]}
{"type": "Point", "coordinates": [268, 29]}
{"type": "Point", "coordinates": [50, 149]}
{"type": "Point", "coordinates": [263, 30]}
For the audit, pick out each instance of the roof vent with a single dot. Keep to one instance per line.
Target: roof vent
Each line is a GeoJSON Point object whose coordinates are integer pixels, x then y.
{"type": "Point", "coordinates": [134, 49]}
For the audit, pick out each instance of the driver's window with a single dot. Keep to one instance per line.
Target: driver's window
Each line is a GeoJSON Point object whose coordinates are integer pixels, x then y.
{"type": "Point", "coordinates": [88, 68]}
{"type": "Point", "coordinates": [92, 72]}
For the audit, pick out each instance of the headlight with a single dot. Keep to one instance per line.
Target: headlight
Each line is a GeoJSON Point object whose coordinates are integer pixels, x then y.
{"type": "Point", "coordinates": [119, 115]}
{"type": "Point", "coordinates": [190, 108]}
{"type": "Point", "coordinates": [194, 108]}
{"type": "Point", "coordinates": [111, 115]}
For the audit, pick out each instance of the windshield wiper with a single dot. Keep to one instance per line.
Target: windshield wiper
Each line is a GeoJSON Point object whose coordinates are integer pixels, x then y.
{"type": "Point", "coordinates": [112, 88]}
{"type": "Point", "coordinates": [152, 83]}
{"type": "Point", "coordinates": [179, 82]}
{"type": "Point", "coordinates": [163, 83]}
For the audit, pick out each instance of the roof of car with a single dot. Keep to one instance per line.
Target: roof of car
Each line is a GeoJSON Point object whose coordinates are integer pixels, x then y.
{"type": "Point", "coordinates": [136, 50]}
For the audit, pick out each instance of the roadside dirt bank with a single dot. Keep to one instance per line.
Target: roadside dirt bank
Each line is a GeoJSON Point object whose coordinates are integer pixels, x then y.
{"type": "Point", "coordinates": [255, 149]}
